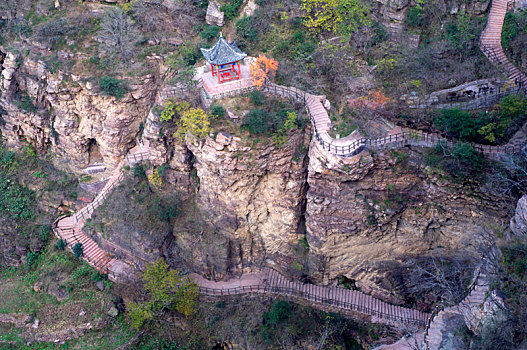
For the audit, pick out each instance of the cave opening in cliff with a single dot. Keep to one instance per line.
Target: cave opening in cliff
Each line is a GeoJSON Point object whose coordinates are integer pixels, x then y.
{"type": "Point", "coordinates": [94, 154]}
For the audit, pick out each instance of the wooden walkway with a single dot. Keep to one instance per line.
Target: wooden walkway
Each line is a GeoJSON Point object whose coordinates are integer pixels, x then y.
{"type": "Point", "coordinates": [271, 282]}
{"type": "Point", "coordinates": [490, 42]}
{"type": "Point", "coordinates": [350, 146]}
{"type": "Point", "coordinates": [69, 228]}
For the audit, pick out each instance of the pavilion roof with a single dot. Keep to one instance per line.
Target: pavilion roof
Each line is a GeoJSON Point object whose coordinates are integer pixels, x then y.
{"type": "Point", "coordinates": [223, 52]}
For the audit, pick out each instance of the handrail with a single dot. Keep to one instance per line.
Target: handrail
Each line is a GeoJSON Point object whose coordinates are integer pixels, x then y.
{"type": "Point", "coordinates": [329, 301]}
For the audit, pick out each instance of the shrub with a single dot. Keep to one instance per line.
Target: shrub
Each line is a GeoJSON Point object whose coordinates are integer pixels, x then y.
{"type": "Point", "coordinates": [231, 8]}
{"type": "Point", "coordinates": [44, 232]}
{"type": "Point", "coordinates": [53, 31]}
{"type": "Point", "coordinates": [78, 250]}
{"type": "Point", "coordinates": [155, 179]}
{"type": "Point", "coordinates": [31, 258]}
{"type": "Point", "coordinates": [112, 86]}
{"type": "Point", "coordinates": [15, 200]}
{"type": "Point", "coordinates": [217, 111]}
{"type": "Point", "coordinates": [457, 123]}
{"type": "Point", "coordinates": [194, 121]}
{"type": "Point", "coordinates": [168, 290]}
{"type": "Point", "coordinates": [245, 29]}
{"type": "Point", "coordinates": [209, 32]}
{"type": "Point", "coordinates": [139, 171]}
{"type": "Point", "coordinates": [257, 97]}
{"type": "Point", "coordinates": [257, 121]}
{"type": "Point", "coordinates": [61, 245]}
{"type": "Point", "coordinates": [415, 17]}
{"type": "Point", "coordinates": [25, 103]}
{"type": "Point", "coordinates": [468, 157]}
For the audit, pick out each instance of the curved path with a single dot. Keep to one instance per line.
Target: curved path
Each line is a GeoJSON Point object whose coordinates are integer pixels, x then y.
{"type": "Point", "coordinates": [271, 282]}
{"type": "Point", "coordinates": [490, 42]}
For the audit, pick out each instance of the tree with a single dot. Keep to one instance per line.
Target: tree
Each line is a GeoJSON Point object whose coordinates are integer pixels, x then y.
{"type": "Point", "coordinates": [194, 121]}
{"type": "Point", "coordinates": [117, 34]}
{"type": "Point", "coordinates": [342, 17]}
{"type": "Point", "coordinates": [263, 69]}
{"type": "Point", "coordinates": [78, 250]}
{"type": "Point", "coordinates": [167, 289]}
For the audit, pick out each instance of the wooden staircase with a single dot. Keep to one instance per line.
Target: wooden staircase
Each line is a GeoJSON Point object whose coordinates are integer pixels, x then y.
{"type": "Point", "coordinates": [490, 42]}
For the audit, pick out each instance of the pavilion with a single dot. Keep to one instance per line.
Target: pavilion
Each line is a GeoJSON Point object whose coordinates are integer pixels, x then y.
{"type": "Point", "coordinates": [224, 59]}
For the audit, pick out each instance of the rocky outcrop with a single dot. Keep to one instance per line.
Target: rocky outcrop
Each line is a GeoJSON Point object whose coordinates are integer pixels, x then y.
{"type": "Point", "coordinates": [367, 212]}
{"type": "Point", "coordinates": [493, 311]}
{"type": "Point", "coordinates": [214, 15]}
{"type": "Point", "coordinates": [251, 201]}
{"type": "Point", "coordinates": [69, 114]}
{"type": "Point", "coordinates": [519, 220]}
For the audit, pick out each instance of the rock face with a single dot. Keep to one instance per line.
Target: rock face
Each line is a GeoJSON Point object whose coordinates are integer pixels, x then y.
{"type": "Point", "coordinates": [251, 198]}
{"type": "Point", "coordinates": [493, 311]}
{"type": "Point", "coordinates": [519, 220]}
{"type": "Point", "coordinates": [370, 211]}
{"type": "Point", "coordinates": [214, 15]}
{"type": "Point", "coordinates": [68, 114]}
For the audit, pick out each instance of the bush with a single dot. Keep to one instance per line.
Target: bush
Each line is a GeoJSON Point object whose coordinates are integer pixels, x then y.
{"type": "Point", "coordinates": [245, 29]}
{"type": "Point", "coordinates": [415, 17]}
{"type": "Point", "coordinates": [25, 103]}
{"type": "Point", "coordinates": [217, 111]}
{"type": "Point", "coordinates": [231, 8]}
{"type": "Point", "coordinates": [53, 32]}
{"type": "Point", "coordinates": [44, 232]}
{"type": "Point", "coordinates": [209, 32]}
{"type": "Point", "coordinates": [257, 121]}
{"type": "Point", "coordinates": [457, 123]}
{"type": "Point", "coordinates": [61, 245]}
{"type": "Point", "coordinates": [15, 200]}
{"type": "Point", "coordinates": [139, 171]}
{"type": "Point", "coordinates": [257, 97]}
{"type": "Point", "coordinates": [112, 86]}
{"type": "Point", "coordinates": [468, 157]}
{"type": "Point", "coordinates": [31, 258]}
{"type": "Point", "coordinates": [78, 250]}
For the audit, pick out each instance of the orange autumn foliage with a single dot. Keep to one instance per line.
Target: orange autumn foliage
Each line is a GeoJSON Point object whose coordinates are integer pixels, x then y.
{"type": "Point", "coordinates": [262, 69]}
{"type": "Point", "coordinates": [374, 100]}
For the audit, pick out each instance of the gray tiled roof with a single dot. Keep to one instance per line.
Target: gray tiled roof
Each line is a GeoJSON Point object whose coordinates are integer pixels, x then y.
{"type": "Point", "coordinates": [223, 52]}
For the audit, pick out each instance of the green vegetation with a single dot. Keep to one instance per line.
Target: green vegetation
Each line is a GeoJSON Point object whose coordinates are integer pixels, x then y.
{"type": "Point", "coordinates": [167, 290]}
{"type": "Point", "coordinates": [463, 162]}
{"type": "Point", "coordinates": [25, 103]}
{"type": "Point", "coordinates": [494, 127]}
{"type": "Point", "coordinates": [209, 32]}
{"type": "Point", "coordinates": [342, 17]}
{"type": "Point", "coordinates": [513, 36]}
{"type": "Point", "coordinates": [112, 86]}
{"type": "Point", "coordinates": [231, 8]}
{"type": "Point", "coordinates": [217, 111]}
{"type": "Point", "coordinates": [78, 250]}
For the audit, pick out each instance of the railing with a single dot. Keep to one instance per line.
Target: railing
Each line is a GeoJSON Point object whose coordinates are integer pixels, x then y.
{"type": "Point", "coordinates": [332, 302]}
{"type": "Point", "coordinates": [440, 308]}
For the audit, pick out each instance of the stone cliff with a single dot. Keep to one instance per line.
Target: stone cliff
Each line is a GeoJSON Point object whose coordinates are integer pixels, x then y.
{"type": "Point", "coordinates": [68, 114]}
{"type": "Point", "coordinates": [246, 204]}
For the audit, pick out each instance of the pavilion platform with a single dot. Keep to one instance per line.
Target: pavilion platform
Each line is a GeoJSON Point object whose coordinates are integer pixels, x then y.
{"type": "Point", "coordinates": [215, 89]}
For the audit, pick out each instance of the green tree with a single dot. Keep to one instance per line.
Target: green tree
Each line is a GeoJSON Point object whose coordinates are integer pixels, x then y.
{"type": "Point", "coordinates": [167, 289]}
{"type": "Point", "coordinates": [78, 250]}
{"type": "Point", "coordinates": [342, 17]}
{"type": "Point", "coordinates": [112, 86]}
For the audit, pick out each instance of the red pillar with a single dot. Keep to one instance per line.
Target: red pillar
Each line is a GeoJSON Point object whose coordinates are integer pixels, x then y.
{"type": "Point", "coordinates": [239, 70]}
{"type": "Point", "coordinates": [212, 69]}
